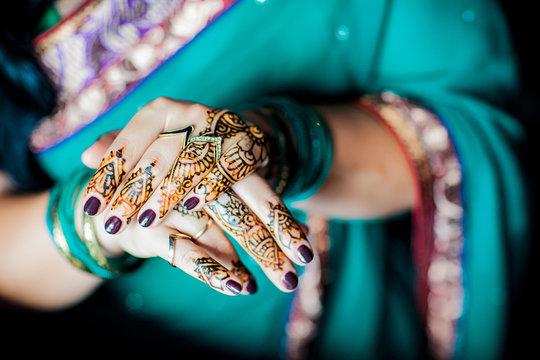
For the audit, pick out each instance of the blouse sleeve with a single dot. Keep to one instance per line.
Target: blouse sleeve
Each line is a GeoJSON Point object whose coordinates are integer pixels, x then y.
{"type": "Point", "coordinates": [450, 69]}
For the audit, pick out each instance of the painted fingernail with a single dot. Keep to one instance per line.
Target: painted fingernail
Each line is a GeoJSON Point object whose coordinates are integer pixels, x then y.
{"type": "Point", "coordinates": [113, 224]}
{"type": "Point", "coordinates": [304, 254]}
{"type": "Point", "coordinates": [251, 286]}
{"type": "Point", "coordinates": [290, 280]}
{"type": "Point", "coordinates": [91, 206]}
{"type": "Point", "coordinates": [147, 218]}
{"type": "Point", "coordinates": [191, 203]}
{"type": "Point", "coordinates": [234, 287]}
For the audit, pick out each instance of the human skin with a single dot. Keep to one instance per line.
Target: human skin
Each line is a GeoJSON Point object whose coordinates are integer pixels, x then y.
{"type": "Point", "coordinates": [368, 178]}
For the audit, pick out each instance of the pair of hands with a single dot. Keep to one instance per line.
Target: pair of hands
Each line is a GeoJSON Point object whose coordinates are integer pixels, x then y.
{"type": "Point", "coordinates": [183, 168]}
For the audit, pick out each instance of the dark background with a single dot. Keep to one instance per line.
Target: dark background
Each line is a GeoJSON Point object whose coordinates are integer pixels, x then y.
{"type": "Point", "coordinates": [102, 327]}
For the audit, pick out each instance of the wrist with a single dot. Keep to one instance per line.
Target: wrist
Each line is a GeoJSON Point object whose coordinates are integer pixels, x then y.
{"type": "Point", "coordinates": [299, 143]}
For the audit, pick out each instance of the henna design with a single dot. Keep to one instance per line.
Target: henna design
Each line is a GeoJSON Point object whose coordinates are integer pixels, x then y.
{"type": "Point", "coordinates": [196, 159]}
{"type": "Point", "coordinates": [204, 153]}
{"type": "Point", "coordinates": [137, 190]}
{"type": "Point", "coordinates": [109, 175]}
{"type": "Point", "coordinates": [282, 225]}
{"type": "Point", "coordinates": [211, 272]}
{"type": "Point", "coordinates": [224, 123]}
{"type": "Point", "coordinates": [182, 210]}
{"type": "Point", "coordinates": [213, 185]}
{"type": "Point", "coordinates": [240, 271]}
{"type": "Point", "coordinates": [244, 157]}
{"type": "Point", "coordinates": [248, 230]}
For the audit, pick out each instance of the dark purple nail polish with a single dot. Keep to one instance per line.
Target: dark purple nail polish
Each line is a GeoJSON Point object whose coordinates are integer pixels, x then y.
{"type": "Point", "coordinates": [304, 254]}
{"type": "Point", "coordinates": [251, 286]}
{"type": "Point", "coordinates": [234, 287]}
{"type": "Point", "coordinates": [113, 224]}
{"type": "Point", "coordinates": [290, 280]}
{"type": "Point", "coordinates": [191, 203]}
{"type": "Point", "coordinates": [91, 206]}
{"type": "Point", "coordinates": [147, 218]}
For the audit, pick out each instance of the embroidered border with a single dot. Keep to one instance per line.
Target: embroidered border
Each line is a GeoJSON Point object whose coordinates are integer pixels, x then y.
{"type": "Point", "coordinates": [437, 213]}
{"type": "Point", "coordinates": [102, 51]}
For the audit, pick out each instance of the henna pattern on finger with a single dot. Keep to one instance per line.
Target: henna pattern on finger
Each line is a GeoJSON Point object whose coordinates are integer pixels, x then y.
{"type": "Point", "coordinates": [211, 273]}
{"type": "Point", "coordinates": [238, 162]}
{"type": "Point", "coordinates": [109, 175]}
{"type": "Point", "coordinates": [240, 271]}
{"type": "Point", "coordinates": [196, 159]}
{"type": "Point", "coordinates": [282, 225]}
{"type": "Point", "coordinates": [203, 154]}
{"type": "Point", "coordinates": [196, 214]}
{"type": "Point", "coordinates": [135, 192]}
{"type": "Point", "coordinates": [237, 219]}
{"type": "Point", "coordinates": [224, 123]}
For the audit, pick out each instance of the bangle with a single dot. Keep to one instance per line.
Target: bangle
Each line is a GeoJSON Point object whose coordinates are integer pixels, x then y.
{"type": "Point", "coordinates": [301, 144]}
{"type": "Point", "coordinates": [84, 253]}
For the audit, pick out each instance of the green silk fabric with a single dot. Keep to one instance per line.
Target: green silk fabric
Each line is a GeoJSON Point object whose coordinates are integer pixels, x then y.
{"type": "Point", "coordinates": [452, 56]}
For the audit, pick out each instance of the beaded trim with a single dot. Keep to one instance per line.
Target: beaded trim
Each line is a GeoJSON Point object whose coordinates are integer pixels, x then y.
{"type": "Point", "coordinates": [437, 213]}
{"type": "Point", "coordinates": [102, 51]}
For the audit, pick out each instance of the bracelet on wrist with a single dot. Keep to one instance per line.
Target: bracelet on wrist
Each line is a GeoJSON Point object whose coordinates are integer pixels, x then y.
{"type": "Point", "coordinates": [84, 251]}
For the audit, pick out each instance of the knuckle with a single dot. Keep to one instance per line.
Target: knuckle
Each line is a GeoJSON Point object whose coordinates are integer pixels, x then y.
{"type": "Point", "coordinates": [159, 103]}
{"type": "Point", "coordinates": [186, 258]}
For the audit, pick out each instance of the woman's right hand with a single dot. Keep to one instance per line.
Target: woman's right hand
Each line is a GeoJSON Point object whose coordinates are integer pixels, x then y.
{"type": "Point", "coordinates": [235, 211]}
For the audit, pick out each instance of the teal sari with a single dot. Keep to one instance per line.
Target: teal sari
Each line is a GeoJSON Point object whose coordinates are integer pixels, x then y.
{"type": "Point", "coordinates": [452, 57]}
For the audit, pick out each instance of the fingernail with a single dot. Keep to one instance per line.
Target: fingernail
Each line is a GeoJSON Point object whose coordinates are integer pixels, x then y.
{"type": "Point", "coordinates": [191, 203]}
{"type": "Point", "coordinates": [91, 206]}
{"type": "Point", "coordinates": [290, 280]}
{"type": "Point", "coordinates": [251, 286]}
{"type": "Point", "coordinates": [147, 218]}
{"type": "Point", "coordinates": [304, 254]}
{"type": "Point", "coordinates": [113, 224]}
{"type": "Point", "coordinates": [234, 287]}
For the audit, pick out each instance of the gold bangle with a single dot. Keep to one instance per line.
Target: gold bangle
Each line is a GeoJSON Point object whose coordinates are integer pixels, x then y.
{"type": "Point", "coordinates": [60, 239]}
{"type": "Point", "coordinates": [91, 241]}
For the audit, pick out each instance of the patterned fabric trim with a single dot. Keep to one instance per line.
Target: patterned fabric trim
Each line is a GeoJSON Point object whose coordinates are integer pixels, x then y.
{"type": "Point", "coordinates": [99, 53]}
{"type": "Point", "coordinates": [437, 238]}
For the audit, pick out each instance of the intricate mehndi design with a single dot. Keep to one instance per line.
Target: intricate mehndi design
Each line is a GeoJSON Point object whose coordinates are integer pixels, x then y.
{"type": "Point", "coordinates": [211, 272]}
{"type": "Point", "coordinates": [109, 175]}
{"type": "Point", "coordinates": [240, 271]}
{"type": "Point", "coordinates": [196, 159]}
{"type": "Point", "coordinates": [134, 194]}
{"type": "Point", "coordinates": [282, 225]}
{"type": "Point", "coordinates": [184, 212]}
{"type": "Point", "coordinates": [248, 230]}
{"type": "Point", "coordinates": [203, 154]}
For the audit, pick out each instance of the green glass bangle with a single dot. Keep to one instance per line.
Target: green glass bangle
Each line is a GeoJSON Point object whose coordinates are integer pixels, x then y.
{"type": "Point", "coordinates": [311, 151]}
{"type": "Point", "coordinates": [84, 253]}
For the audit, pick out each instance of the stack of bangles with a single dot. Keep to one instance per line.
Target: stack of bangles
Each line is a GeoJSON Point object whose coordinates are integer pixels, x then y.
{"type": "Point", "coordinates": [301, 152]}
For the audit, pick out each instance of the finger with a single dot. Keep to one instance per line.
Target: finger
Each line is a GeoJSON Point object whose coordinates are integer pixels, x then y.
{"type": "Point", "coordinates": [182, 253]}
{"type": "Point", "coordinates": [243, 225]}
{"type": "Point", "coordinates": [210, 237]}
{"type": "Point", "coordinates": [92, 156]}
{"type": "Point", "coordinates": [148, 173]}
{"type": "Point", "coordinates": [236, 163]}
{"type": "Point", "coordinates": [191, 165]}
{"type": "Point", "coordinates": [273, 213]}
{"type": "Point", "coordinates": [244, 151]}
{"type": "Point", "coordinates": [126, 150]}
